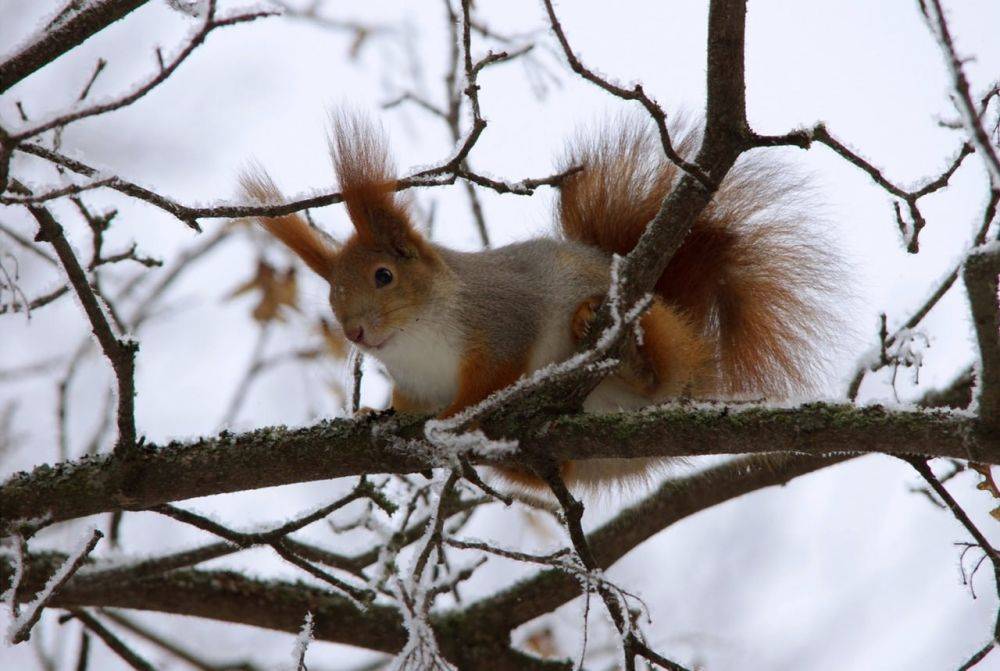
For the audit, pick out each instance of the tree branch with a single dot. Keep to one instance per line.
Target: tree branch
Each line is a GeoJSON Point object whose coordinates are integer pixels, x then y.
{"type": "Point", "coordinates": [127, 654]}
{"type": "Point", "coordinates": [274, 456]}
{"type": "Point", "coordinates": [227, 596]}
{"type": "Point", "coordinates": [119, 351]}
{"type": "Point", "coordinates": [467, 635]}
{"type": "Point", "coordinates": [981, 281]}
{"type": "Point", "coordinates": [210, 23]}
{"type": "Point", "coordinates": [444, 174]}
{"type": "Point", "coordinates": [65, 35]}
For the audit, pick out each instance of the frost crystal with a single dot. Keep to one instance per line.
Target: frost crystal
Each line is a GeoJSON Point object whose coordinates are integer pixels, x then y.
{"type": "Point", "coordinates": [302, 641]}
{"type": "Point", "coordinates": [29, 613]}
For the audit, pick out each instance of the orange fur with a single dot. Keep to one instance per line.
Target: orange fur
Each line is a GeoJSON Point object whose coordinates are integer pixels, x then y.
{"type": "Point", "coordinates": [737, 311]}
{"type": "Point", "coordinates": [364, 168]}
{"type": "Point", "coordinates": [750, 278]}
{"type": "Point", "coordinates": [673, 359]}
{"type": "Point", "coordinates": [479, 375]}
{"type": "Point", "coordinates": [402, 403]}
{"type": "Point", "coordinates": [678, 356]}
{"type": "Point", "coordinates": [527, 479]}
{"type": "Point", "coordinates": [291, 229]}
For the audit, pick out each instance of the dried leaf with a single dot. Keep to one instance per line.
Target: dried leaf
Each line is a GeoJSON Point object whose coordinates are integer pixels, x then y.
{"type": "Point", "coordinates": [988, 484]}
{"type": "Point", "coordinates": [277, 290]}
{"type": "Point", "coordinates": [543, 643]}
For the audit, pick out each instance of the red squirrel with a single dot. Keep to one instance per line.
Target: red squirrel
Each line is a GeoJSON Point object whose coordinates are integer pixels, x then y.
{"type": "Point", "coordinates": [737, 313]}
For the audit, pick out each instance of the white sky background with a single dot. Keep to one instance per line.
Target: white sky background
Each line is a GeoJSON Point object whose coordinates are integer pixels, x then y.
{"type": "Point", "coordinates": [844, 569]}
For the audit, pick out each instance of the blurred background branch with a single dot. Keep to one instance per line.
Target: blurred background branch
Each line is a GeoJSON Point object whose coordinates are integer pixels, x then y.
{"type": "Point", "coordinates": [395, 562]}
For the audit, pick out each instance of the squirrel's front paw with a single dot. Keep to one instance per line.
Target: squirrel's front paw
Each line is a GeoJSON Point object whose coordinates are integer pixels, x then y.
{"type": "Point", "coordinates": [366, 413]}
{"type": "Point", "coordinates": [583, 316]}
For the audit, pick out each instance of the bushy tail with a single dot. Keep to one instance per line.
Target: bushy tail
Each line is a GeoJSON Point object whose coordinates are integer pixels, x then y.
{"type": "Point", "coordinates": [754, 274]}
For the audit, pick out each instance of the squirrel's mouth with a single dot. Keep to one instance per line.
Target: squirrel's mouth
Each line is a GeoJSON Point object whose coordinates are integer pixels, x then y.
{"type": "Point", "coordinates": [381, 343]}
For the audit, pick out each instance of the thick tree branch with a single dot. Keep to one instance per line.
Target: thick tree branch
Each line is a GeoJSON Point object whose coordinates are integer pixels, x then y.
{"type": "Point", "coordinates": [674, 500]}
{"type": "Point", "coordinates": [726, 137]}
{"type": "Point", "coordinates": [210, 23]}
{"type": "Point", "coordinates": [64, 35]}
{"type": "Point", "coordinates": [981, 281]}
{"type": "Point", "coordinates": [477, 626]}
{"type": "Point", "coordinates": [232, 597]}
{"type": "Point", "coordinates": [274, 456]}
{"type": "Point", "coordinates": [470, 635]}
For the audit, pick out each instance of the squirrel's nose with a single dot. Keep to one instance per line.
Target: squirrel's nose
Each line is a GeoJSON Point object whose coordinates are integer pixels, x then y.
{"type": "Point", "coordinates": [355, 333]}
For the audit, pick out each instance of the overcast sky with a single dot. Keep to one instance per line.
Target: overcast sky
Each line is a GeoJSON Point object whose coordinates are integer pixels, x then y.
{"type": "Point", "coordinates": [844, 569]}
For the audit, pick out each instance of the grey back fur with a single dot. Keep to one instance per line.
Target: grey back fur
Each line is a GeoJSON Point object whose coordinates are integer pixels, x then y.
{"type": "Point", "coordinates": [508, 295]}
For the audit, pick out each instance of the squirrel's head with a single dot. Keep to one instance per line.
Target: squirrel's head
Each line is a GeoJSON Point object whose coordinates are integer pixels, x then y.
{"type": "Point", "coordinates": [386, 275]}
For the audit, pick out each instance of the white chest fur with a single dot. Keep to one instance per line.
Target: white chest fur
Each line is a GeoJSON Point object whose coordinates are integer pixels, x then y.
{"type": "Point", "coordinates": [423, 362]}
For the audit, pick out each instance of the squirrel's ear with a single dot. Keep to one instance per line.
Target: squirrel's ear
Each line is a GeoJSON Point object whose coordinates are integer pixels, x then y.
{"type": "Point", "coordinates": [368, 183]}
{"type": "Point", "coordinates": [292, 229]}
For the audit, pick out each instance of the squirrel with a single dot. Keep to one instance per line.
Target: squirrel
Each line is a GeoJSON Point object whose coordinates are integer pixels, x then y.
{"type": "Point", "coordinates": [738, 312]}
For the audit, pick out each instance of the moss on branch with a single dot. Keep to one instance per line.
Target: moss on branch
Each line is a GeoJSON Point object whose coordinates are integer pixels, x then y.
{"type": "Point", "coordinates": [388, 444]}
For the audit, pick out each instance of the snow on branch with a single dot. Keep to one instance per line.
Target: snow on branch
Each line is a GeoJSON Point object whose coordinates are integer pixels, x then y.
{"type": "Point", "coordinates": [166, 67]}
{"type": "Point", "coordinates": [961, 95]}
{"type": "Point", "coordinates": [301, 644]}
{"type": "Point", "coordinates": [22, 623]}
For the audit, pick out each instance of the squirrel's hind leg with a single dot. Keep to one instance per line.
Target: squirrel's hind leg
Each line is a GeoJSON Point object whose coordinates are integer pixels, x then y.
{"type": "Point", "coordinates": [670, 360]}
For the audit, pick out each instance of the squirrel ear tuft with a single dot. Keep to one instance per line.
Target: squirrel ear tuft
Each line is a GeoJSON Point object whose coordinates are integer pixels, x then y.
{"type": "Point", "coordinates": [368, 182]}
{"type": "Point", "coordinates": [292, 229]}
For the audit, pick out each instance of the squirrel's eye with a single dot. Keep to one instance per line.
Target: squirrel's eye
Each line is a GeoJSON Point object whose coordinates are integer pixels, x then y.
{"type": "Point", "coordinates": [383, 276]}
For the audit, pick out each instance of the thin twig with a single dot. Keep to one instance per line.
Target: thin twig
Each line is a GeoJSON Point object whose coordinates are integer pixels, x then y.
{"type": "Point", "coordinates": [210, 23]}
{"type": "Point", "coordinates": [27, 619]}
{"type": "Point", "coordinates": [921, 466]}
{"type": "Point", "coordinates": [120, 352]}
{"type": "Point", "coordinates": [117, 646]}
{"type": "Point", "coordinates": [175, 649]}
{"type": "Point", "coordinates": [636, 93]}
{"type": "Point", "coordinates": [444, 174]}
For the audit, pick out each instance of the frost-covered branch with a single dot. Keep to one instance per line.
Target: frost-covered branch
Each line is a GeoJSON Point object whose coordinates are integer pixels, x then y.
{"type": "Point", "coordinates": [280, 605]}
{"type": "Point", "coordinates": [302, 642]}
{"type": "Point", "coordinates": [211, 21]}
{"type": "Point", "coordinates": [910, 231]}
{"type": "Point", "coordinates": [66, 32]}
{"type": "Point", "coordinates": [442, 175]}
{"type": "Point", "coordinates": [961, 95]}
{"type": "Point", "coordinates": [921, 466]}
{"type": "Point", "coordinates": [158, 474]}
{"type": "Point", "coordinates": [120, 351]}
{"type": "Point", "coordinates": [636, 93]}
{"type": "Point", "coordinates": [589, 573]}
{"type": "Point", "coordinates": [888, 341]}
{"type": "Point", "coordinates": [982, 268]}
{"type": "Point", "coordinates": [22, 622]}
{"type": "Point", "coordinates": [275, 538]}
{"type": "Point", "coordinates": [230, 597]}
